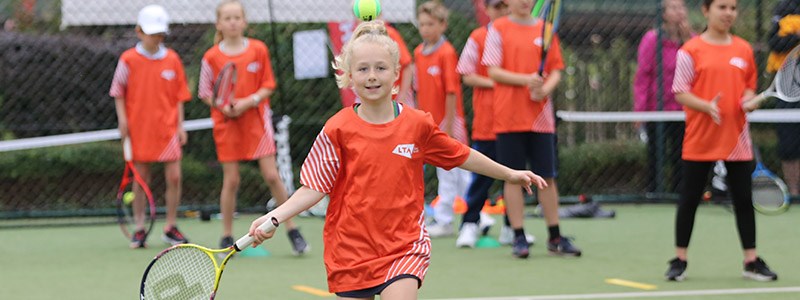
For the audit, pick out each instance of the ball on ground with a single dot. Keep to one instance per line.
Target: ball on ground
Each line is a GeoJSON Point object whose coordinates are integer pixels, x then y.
{"type": "Point", "coordinates": [127, 198]}
{"type": "Point", "coordinates": [367, 10]}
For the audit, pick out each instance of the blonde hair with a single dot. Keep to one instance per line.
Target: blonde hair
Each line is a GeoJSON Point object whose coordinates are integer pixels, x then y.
{"type": "Point", "coordinates": [218, 35]}
{"type": "Point", "coordinates": [367, 32]}
{"type": "Point", "coordinates": [434, 9]}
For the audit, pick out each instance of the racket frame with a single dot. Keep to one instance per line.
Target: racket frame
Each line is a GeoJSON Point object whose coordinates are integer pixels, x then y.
{"type": "Point", "coordinates": [762, 171]}
{"type": "Point", "coordinates": [129, 176]}
{"type": "Point", "coordinates": [240, 245]}
{"type": "Point", "coordinates": [221, 84]}
{"type": "Point", "coordinates": [551, 15]}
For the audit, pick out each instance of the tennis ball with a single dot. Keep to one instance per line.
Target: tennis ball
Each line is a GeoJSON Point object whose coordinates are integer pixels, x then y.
{"type": "Point", "coordinates": [127, 198]}
{"type": "Point", "coordinates": [367, 10]}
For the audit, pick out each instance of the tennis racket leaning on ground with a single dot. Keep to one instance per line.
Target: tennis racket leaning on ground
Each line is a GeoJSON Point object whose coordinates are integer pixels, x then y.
{"type": "Point", "coordinates": [189, 271]}
{"type": "Point", "coordinates": [770, 194]}
{"type": "Point", "coordinates": [224, 86]}
{"type": "Point", "coordinates": [550, 12]}
{"type": "Point", "coordinates": [786, 83]}
{"type": "Point", "coordinates": [125, 203]}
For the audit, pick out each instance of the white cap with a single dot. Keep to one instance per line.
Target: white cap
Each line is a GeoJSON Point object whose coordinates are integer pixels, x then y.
{"type": "Point", "coordinates": [153, 19]}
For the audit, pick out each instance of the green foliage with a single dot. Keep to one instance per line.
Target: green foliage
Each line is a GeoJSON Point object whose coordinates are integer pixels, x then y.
{"type": "Point", "coordinates": [601, 168]}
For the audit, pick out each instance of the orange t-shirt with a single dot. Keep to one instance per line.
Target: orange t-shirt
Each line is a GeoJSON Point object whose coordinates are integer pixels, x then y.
{"type": "Point", "coordinates": [517, 48]}
{"type": "Point", "coordinates": [152, 86]}
{"type": "Point", "coordinates": [470, 63]}
{"type": "Point", "coordinates": [374, 226]}
{"type": "Point", "coordinates": [436, 77]}
{"type": "Point", "coordinates": [249, 136]}
{"type": "Point", "coordinates": [707, 70]}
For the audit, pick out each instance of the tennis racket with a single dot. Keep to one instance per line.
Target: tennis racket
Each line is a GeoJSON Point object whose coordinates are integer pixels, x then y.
{"type": "Point", "coordinates": [770, 195]}
{"type": "Point", "coordinates": [224, 86]}
{"type": "Point", "coordinates": [125, 209]}
{"type": "Point", "coordinates": [551, 11]}
{"type": "Point", "coordinates": [786, 84]}
{"type": "Point", "coordinates": [188, 271]}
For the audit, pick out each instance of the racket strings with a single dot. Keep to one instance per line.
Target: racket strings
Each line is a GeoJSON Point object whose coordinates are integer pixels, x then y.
{"type": "Point", "coordinates": [181, 273]}
{"type": "Point", "coordinates": [767, 193]}
{"type": "Point", "coordinates": [787, 80]}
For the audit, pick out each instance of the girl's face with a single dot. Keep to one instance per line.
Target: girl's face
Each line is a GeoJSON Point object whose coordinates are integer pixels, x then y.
{"type": "Point", "coordinates": [497, 11]}
{"type": "Point", "coordinates": [721, 15]}
{"type": "Point", "coordinates": [150, 41]}
{"type": "Point", "coordinates": [230, 20]}
{"type": "Point", "coordinates": [674, 11]}
{"type": "Point", "coordinates": [372, 72]}
{"type": "Point", "coordinates": [430, 28]}
{"type": "Point", "coordinates": [520, 8]}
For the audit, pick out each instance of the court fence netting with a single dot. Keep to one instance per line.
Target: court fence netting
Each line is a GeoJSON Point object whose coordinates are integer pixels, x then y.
{"type": "Point", "coordinates": [61, 163]}
{"type": "Point", "coordinates": [72, 178]}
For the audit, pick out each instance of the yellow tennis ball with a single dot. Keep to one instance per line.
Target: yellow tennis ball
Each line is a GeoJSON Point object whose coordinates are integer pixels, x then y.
{"type": "Point", "coordinates": [127, 198]}
{"type": "Point", "coordinates": [367, 10]}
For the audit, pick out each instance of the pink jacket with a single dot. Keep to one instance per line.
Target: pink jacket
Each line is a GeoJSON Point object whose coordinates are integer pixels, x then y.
{"type": "Point", "coordinates": [645, 82]}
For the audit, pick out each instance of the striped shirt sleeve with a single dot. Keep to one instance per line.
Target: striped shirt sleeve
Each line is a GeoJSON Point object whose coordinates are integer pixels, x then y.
{"type": "Point", "coordinates": [469, 58]}
{"type": "Point", "coordinates": [205, 84]}
{"type": "Point", "coordinates": [493, 51]}
{"type": "Point", "coordinates": [684, 73]}
{"type": "Point", "coordinates": [120, 82]}
{"type": "Point", "coordinates": [321, 166]}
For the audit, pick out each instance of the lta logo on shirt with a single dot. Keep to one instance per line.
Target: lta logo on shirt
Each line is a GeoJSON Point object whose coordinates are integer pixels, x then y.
{"type": "Point", "coordinates": [738, 62]}
{"type": "Point", "coordinates": [168, 75]}
{"type": "Point", "coordinates": [405, 150]}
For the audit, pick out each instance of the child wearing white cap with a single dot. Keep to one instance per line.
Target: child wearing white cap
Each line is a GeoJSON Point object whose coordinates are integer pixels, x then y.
{"type": "Point", "coordinates": [149, 88]}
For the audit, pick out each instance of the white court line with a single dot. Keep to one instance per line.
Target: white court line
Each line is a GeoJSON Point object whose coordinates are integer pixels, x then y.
{"type": "Point", "coordinates": [793, 289]}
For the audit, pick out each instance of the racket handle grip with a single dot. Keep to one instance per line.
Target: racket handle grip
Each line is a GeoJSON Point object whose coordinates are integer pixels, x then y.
{"type": "Point", "coordinates": [247, 240]}
{"type": "Point", "coordinates": [127, 151]}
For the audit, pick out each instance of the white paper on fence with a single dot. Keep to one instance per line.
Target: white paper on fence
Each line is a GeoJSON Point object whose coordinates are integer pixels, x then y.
{"type": "Point", "coordinates": [310, 50]}
{"type": "Point", "coordinates": [124, 12]}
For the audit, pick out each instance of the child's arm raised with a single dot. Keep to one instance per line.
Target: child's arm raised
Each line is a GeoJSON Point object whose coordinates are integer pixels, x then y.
{"type": "Point", "coordinates": [481, 164]}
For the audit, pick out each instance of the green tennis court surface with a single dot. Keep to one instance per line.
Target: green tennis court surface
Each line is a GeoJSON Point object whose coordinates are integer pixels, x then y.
{"type": "Point", "coordinates": [93, 262]}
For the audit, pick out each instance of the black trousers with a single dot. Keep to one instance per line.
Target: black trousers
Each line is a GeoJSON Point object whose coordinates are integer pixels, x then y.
{"type": "Point", "coordinates": [741, 191]}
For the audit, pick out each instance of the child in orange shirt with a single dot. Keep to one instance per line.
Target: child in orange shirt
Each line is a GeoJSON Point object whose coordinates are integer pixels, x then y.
{"type": "Point", "coordinates": [149, 88]}
{"type": "Point", "coordinates": [439, 93]}
{"type": "Point", "coordinates": [715, 76]}
{"type": "Point", "coordinates": [244, 131]}
{"type": "Point", "coordinates": [368, 158]}
{"type": "Point", "coordinates": [523, 116]}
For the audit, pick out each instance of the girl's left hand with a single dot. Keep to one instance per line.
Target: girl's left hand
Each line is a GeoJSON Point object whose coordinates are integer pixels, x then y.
{"type": "Point", "coordinates": [748, 105]}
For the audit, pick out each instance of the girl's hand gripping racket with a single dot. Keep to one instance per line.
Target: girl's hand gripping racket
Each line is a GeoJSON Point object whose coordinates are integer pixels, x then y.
{"type": "Point", "coordinates": [786, 83]}
{"type": "Point", "coordinates": [770, 194]}
{"type": "Point", "coordinates": [127, 207]}
{"type": "Point", "coordinates": [224, 87]}
{"type": "Point", "coordinates": [188, 271]}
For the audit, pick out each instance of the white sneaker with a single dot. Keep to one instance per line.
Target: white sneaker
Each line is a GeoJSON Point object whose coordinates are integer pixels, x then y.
{"type": "Point", "coordinates": [440, 230]}
{"type": "Point", "coordinates": [468, 236]}
{"type": "Point", "coordinates": [507, 236]}
{"type": "Point", "coordinates": [485, 223]}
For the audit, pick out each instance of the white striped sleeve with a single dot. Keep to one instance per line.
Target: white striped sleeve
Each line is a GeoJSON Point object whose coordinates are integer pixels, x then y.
{"type": "Point", "coordinates": [321, 166]}
{"type": "Point", "coordinates": [120, 82]}
{"type": "Point", "coordinates": [468, 62]}
{"type": "Point", "coordinates": [205, 84]}
{"type": "Point", "coordinates": [684, 73]}
{"type": "Point", "coordinates": [493, 50]}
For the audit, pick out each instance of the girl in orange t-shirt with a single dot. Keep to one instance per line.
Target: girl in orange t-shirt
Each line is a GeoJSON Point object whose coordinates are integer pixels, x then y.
{"type": "Point", "coordinates": [243, 131]}
{"type": "Point", "coordinates": [714, 79]}
{"type": "Point", "coordinates": [368, 159]}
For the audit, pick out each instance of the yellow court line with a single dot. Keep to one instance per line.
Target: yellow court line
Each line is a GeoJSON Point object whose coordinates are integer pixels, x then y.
{"type": "Point", "coordinates": [311, 290]}
{"type": "Point", "coordinates": [631, 284]}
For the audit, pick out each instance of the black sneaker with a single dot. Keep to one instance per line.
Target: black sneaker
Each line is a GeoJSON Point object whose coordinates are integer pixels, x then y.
{"type": "Point", "coordinates": [563, 246]}
{"type": "Point", "coordinates": [759, 271]}
{"type": "Point", "coordinates": [173, 236]}
{"type": "Point", "coordinates": [299, 245]}
{"type": "Point", "coordinates": [226, 242]}
{"type": "Point", "coordinates": [137, 241]}
{"type": "Point", "coordinates": [520, 247]}
{"type": "Point", "coordinates": [677, 270]}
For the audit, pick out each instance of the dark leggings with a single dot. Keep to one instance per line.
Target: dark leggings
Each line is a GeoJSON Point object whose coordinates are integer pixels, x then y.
{"type": "Point", "coordinates": [739, 181]}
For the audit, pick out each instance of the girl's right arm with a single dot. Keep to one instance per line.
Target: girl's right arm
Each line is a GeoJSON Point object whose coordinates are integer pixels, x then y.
{"type": "Point", "coordinates": [696, 103]}
{"type": "Point", "coordinates": [122, 118]}
{"type": "Point", "coordinates": [303, 199]}
{"type": "Point", "coordinates": [503, 76]}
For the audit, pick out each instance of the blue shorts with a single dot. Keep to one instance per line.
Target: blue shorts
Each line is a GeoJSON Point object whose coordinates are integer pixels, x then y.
{"type": "Point", "coordinates": [378, 289]}
{"type": "Point", "coordinates": [517, 150]}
